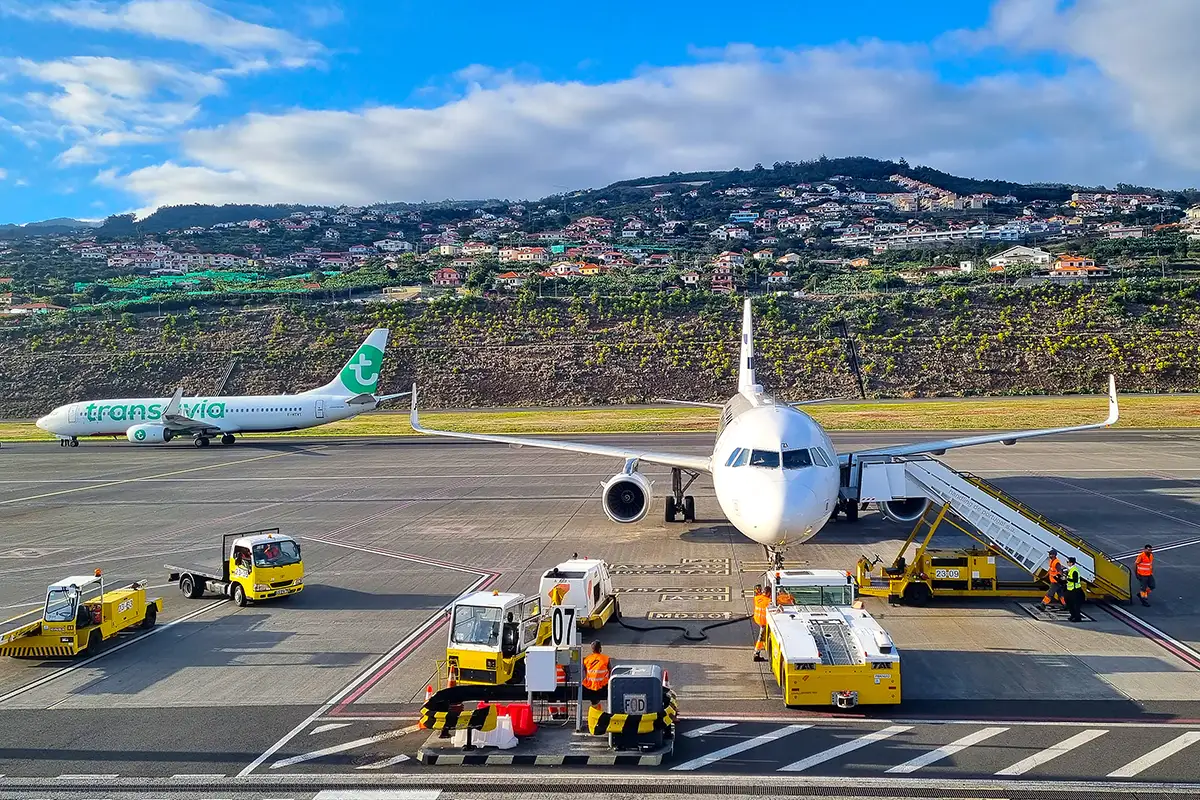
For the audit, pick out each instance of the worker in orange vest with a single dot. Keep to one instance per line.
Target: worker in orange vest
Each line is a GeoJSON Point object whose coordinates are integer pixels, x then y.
{"type": "Point", "coordinates": [596, 671]}
{"type": "Point", "coordinates": [1058, 582]}
{"type": "Point", "coordinates": [1145, 573]}
{"type": "Point", "coordinates": [762, 599]}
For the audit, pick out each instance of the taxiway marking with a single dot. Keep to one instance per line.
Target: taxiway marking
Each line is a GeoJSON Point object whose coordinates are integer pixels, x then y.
{"type": "Point", "coordinates": [933, 756]}
{"type": "Point", "coordinates": [1161, 753]}
{"type": "Point", "coordinates": [339, 748]}
{"type": "Point", "coordinates": [1052, 752]}
{"type": "Point", "coordinates": [740, 747]}
{"type": "Point", "coordinates": [124, 481]}
{"type": "Point", "coordinates": [843, 749]}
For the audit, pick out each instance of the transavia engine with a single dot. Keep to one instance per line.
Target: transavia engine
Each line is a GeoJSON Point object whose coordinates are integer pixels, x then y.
{"type": "Point", "coordinates": [148, 434]}
{"type": "Point", "coordinates": [909, 509]}
{"type": "Point", "coordinates": [626, 497]}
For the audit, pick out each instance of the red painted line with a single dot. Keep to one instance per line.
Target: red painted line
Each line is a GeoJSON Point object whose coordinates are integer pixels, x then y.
{"type": "Point", "coordinates": [1140, 627]}
{"type": "Point", "coordinates": [383, 671]}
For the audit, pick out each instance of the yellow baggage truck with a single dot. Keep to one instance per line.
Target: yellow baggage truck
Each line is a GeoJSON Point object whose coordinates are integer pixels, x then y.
{"type": "Point", "coordinates": [81, 613]}
{"type": "Point", "coordinates": [822, 647]}
{"type": "Point", "coordinates": [255, 565]}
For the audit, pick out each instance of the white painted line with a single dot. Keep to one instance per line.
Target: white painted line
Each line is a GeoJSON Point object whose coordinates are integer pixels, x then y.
{"type": "Point", "coordinates": [1053, 752]}
{"type": "Point", "coordinates": [387, 762]}
{"type": "Point", "coordinates": [707, 729]}
{"type": "Point", "coordinates": [339, 748]}
{"type": "Point", "coordinates": [843, 749]}
{"type": "Point", "coordinates": [740, 747]}
{"type": "Point", "coordinates": [108, 652]}
{"type": "Point", "coordinates": [1161, 753]}
{"type": "Point", "coordinates": [933, 756]}
{"type": "Point", "coordinates": [198, 776]}
{"type": "Point", "coordinates": [378, 794]}
{"type": "Point", "coordinates": [332, 726]}
{"type": "Point", "coordinates": [87, 777]}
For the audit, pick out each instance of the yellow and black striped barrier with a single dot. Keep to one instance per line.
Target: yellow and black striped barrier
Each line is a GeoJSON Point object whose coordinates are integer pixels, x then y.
{"type": "Point", "coordinates": [602, 722]}
{"type": "Point", "coordinates": [480, 719]}
{"type": "Point", "coordinates": [31, 651]}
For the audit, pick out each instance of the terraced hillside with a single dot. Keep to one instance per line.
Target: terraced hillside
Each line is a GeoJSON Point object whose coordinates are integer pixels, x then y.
{"type": "Point", "coordinates": [526, 351]}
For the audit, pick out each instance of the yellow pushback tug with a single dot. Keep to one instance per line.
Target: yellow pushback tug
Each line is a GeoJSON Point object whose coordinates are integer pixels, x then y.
{"type": "Point", "coordinates": [80, 614]}
{"type": "Point", "coordinates": [822, 647]}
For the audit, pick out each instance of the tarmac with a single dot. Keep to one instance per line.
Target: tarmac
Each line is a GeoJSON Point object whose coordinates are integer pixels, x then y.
{"type": "Point", "coordinates": [321, 689]}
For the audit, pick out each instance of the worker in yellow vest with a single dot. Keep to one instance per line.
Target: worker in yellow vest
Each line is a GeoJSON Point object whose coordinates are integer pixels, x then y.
{"type": "Point", "coordinates": [596, 671]}
{"type": "Point", "coordinates": [1075, 594]}
{"type": "Point", "coordinates": [762, 599]}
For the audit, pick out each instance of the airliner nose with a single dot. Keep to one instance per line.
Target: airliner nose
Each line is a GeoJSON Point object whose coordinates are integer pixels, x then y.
{"type": "Point", "coordinates": [43, 422]}
{"type": "Point", "coordinates": [780, 511]}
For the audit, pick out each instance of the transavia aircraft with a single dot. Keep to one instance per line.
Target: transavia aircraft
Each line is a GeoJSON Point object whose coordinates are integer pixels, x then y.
{"type": "Point", "coordinates": [152, 420]}
{"type": "Point", "coordinates": [776, 473]}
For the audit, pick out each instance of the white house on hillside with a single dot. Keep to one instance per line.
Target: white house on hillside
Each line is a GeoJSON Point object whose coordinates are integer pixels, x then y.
{"type": "Point", "coordinates": [1019, 255]}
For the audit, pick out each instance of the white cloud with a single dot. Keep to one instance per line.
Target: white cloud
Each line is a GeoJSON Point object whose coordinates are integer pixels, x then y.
{"type": "Point", "coordinates": [3, 173]}
{"type": "Point", "coordinates": [188, 21]}
{"type": "Point", "coordinates": [524, 139]}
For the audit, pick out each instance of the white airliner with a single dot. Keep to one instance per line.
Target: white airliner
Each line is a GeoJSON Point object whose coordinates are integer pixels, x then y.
{"type": "Point", "coordinates": [152, 420]}
{"type": "Point", "coordinates": [776, 473]}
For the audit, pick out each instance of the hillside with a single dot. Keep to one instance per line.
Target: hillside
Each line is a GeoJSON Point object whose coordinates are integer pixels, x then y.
{"type": "Point", "coordinates": [471, 352]}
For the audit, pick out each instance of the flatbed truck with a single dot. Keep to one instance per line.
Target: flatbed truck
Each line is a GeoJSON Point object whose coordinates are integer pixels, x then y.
{"type": "Point", "coordinates": [255, 565]}
{"type": "Point", "coordinates": [80, 613]}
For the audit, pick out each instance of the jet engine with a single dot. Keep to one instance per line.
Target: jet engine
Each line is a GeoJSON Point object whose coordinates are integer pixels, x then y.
{"type": "Point", "coordinates": [909, 509]}
{"type": "Point", "coordinates": [626, 497]}
{"type": "Point", "coordinates": [148, 434]}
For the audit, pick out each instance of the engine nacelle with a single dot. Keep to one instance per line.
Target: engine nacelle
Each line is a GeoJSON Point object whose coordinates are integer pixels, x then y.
{"type": "Point", "coordinates": [909, 509]}
{"type": "Point", "coordinates": [148, 434]}
{"type": "Point", "coordinates": [626, 497]}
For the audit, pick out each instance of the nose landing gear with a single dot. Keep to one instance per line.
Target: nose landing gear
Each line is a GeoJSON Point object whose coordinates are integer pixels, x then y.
{"type": "Point", "coordinates": [678, 502]}
{"type": "Point", "coordinates": [72, 442]}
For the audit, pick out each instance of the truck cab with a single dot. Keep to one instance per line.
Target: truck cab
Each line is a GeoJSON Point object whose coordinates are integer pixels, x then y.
{"type": "Point", "coordinates": [489, 634]}
{"type": "Point", "coordinates": [266, 565]}
{"type": "Point", "coordinates": [585, 584]}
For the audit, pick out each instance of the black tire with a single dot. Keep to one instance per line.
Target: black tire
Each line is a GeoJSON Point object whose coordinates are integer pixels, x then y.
{"type": "Point", "coordinates": [238, 594]}
{"type": "Point", "coordinates": [74, 443]}
{"type": "Point", "coordinates": [851, 510]}
{"type": "Point", "coordinates": [689, 509]}
{"type": "Point", "coordinates": [227, 439]}
{"type": "Point", "coordinates": [95, 640]}
{"type": "Point", "coordinates": [150, 618]}
{"type": "Point", "coordinates": [917, 594]}
{"type": "Point", "coordinates": [671, 510]}
{"type": "Point", "coordinates": [191, 588]}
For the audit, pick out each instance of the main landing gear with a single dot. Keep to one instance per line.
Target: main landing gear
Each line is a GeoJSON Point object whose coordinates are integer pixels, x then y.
{"type": "Point", "coordinates": [200, 441]}
{"type": "Point", "coordinates": [72, 442]}
{"type": "Point", "coordinates": [227, 439]}
{"type": "Point", "coordinates": [848, 507]}
{"type": "Point", "coordinates": [678, 502]}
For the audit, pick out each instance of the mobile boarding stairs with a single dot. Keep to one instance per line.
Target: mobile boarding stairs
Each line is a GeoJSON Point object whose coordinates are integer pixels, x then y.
{"type": "Point", "coordinates": [1005, 527]}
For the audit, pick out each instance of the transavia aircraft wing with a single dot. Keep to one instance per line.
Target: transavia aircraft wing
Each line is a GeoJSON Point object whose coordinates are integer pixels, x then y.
{"type": "Point", "coordinates": [937, 448]}
{"type": "Point", "coordinates": [694, 463]}
{"type": "Point", "coordinates": [178, 422]}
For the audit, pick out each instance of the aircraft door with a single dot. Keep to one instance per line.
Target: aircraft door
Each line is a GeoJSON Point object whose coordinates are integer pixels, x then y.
{"type": "Point", "coordinates": [320, 409]}
{"type": "Point", "coordinates": [72, 412]}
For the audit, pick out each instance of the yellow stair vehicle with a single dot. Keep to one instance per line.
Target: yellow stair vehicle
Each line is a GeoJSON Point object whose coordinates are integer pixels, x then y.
{"type": "Point", "coordinates": [256, 565]}
{"type": "Point", "coordinates": [822, 648]}
{"type": "Point", "coordinates": [1005, 529]}
{"type": "Point", "coordinates": [80, 614]}
{"type": "Point", "coordinates": [489, 634]}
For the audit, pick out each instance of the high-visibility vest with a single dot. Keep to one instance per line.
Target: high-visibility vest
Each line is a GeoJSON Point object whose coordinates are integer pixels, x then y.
{"type": "Point", "coordinates": [761, 601]}
{"type": "Point", "coordinates": [595, 671]}
{"type": "Point", "coordinates": [784, 598]}
{"type": "Point", "coordinates": [1074, 579]}
{"type": "Point", "coordinates": [1055, 569]}
{"type": "Point", "coordinates": [1145, 563]}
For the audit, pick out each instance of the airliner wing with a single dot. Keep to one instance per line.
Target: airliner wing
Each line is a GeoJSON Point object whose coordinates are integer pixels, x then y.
{"type": "Point", "coordinates": [178, 422]}
{"type": "Point", "coordinates": [695, 463]}
{"type": "Point", "coordinates": [942, 446]}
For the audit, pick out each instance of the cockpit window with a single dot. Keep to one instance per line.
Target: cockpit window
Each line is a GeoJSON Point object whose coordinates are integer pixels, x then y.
{"type": "Point", "coordinates": [797, 459]}
{"type": "Point", "coordinates": [821, 457]}
{"type": "Point", "coordinates": [764, 458]}
{"type": "Point", "coordinates": [737, 451]}
{"type": "Point", "coordinates": [743, 457]}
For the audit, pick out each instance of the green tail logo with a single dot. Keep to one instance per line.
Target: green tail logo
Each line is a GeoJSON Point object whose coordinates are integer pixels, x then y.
{"type": "Point", "coordinates": [361, 373]}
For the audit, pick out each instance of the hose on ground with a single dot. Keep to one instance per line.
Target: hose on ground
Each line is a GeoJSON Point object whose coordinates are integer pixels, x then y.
{"type": "Point", "coordinates": [690, 634]}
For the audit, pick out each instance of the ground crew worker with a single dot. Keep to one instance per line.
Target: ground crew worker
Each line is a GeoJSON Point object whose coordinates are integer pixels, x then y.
{"type": "Point", "coordinates": [1074, 591]}
{"type": "Point", "coordinates": [1145, 573]}
{"type": "Point", "coordinates": [596, 671]}
{"type": "Point", "coordinates": [762, 599]}
{"type": "Point", "coordinates": [1058, 582]}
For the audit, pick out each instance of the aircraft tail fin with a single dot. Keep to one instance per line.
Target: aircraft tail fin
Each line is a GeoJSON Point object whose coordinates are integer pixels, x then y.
{"type": "Point", "coordinates": [360, 375]}
{"type": "Point", "coordinates": [746, 376]}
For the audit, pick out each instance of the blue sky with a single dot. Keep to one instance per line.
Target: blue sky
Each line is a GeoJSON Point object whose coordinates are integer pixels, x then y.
{"type": "Point", "coordinates": [108, 106]}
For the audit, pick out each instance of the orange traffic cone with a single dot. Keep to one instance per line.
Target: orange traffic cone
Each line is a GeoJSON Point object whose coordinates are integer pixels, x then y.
{"type": "Point", "coordinates": [428, 693]}
{"type": "Point", "coordinates": [452, 676]}
{"type": "Point", "coordinates": [666, 679]}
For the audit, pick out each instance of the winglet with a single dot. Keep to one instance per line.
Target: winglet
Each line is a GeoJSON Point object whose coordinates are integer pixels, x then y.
{"type": "Point", "coordinates": [173, 404]}
{"type": "Point", "coordinates": [412, 415]}
{"type": "Point", "coordinates": [1114, 413]}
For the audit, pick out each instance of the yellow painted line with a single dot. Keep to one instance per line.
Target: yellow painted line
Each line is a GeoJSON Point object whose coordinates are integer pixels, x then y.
{"type": "Point", "coordinates": [143, 478]}
{"type": "Point", "coordinates": [36, 608]}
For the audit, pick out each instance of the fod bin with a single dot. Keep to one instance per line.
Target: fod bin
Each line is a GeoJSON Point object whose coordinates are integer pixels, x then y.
{"type": "Point", "coordinates": [636, 689]}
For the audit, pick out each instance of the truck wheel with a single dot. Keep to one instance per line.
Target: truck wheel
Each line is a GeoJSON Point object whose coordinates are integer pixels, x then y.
{"type": "Point", "coordinates": [917, 594]}
{"type": "Point", "coordinates": [239, 595]}
{"type": "Point", "coordinates": [190, 588]}
{"type": "Point", "coordinates": [150, 618]}
{"type": "Point", "coordinates": [93, 645]}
